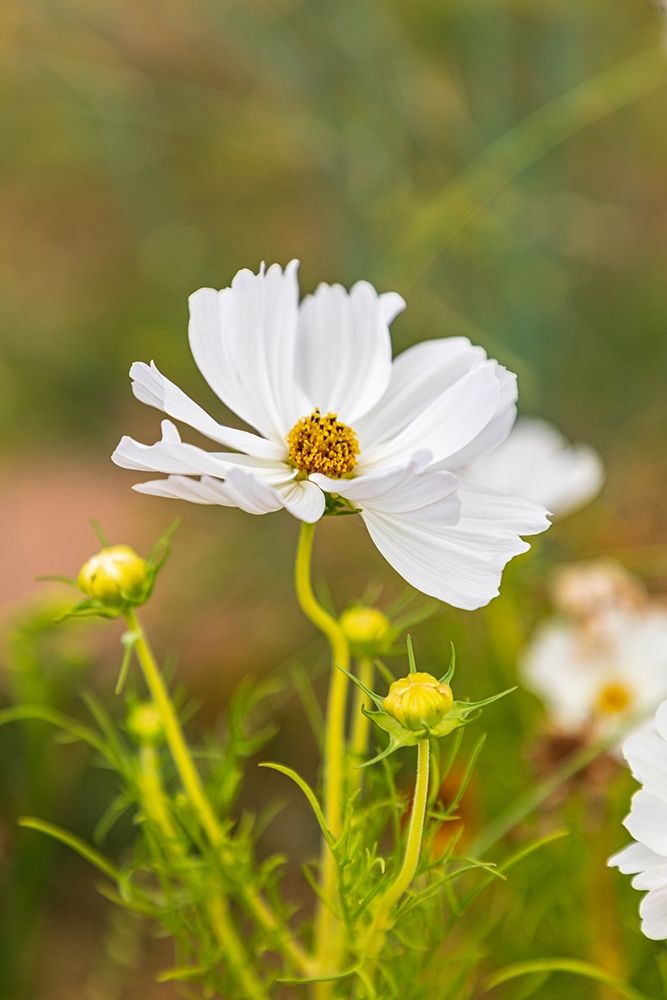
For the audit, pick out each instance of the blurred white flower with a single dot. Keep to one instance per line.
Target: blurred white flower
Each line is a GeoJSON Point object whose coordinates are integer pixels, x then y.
{"type": "Point", "coordinates": [593, 681]}
{"type": "Point", "coordinates": [536, 461]}
{"type": "Point", "coordinates": [589, 589]}
{"type": "Point", "coordinates": [646, 859]}
{"type": "Point", "coordinates": [336, 417]}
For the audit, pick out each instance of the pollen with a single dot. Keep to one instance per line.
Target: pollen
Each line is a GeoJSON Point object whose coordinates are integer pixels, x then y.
{"type": "Point", "coordinates": [614, 698]}
{"type": "Point", "coordinates": [323, 444]}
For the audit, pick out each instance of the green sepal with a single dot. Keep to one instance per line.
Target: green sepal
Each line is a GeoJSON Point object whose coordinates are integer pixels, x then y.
{"type": "Point", "coordinates": [91, 608]}
{"type": "Point", "coordinates": [460, 714]}
{"type": "Point", "coordinates": [337, 506]}
{"type": "Point", "coordinates": [449, 673]}
{"type": "Point", "coordinates": [399, 736]}
{"type": "Point", "coordinates": [377, 699]}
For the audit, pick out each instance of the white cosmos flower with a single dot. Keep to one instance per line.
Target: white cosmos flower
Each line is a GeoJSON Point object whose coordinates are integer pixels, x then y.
{"type": "Point", "coordinates": [592, 681]}
{"type": "Point", "coordinates": [646, 859]}
{"type": "Point", "coordinates": [332, 414]}
{"type": "Point", "coordinates": [536, 461]}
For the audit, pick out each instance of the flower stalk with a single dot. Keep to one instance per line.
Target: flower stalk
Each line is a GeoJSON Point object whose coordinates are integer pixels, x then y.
{"type": "Point", "coordinates": [194, 789]}
{"type": "Point", "coordinates": [361, 722]}
{"type": "Point", "coordinates": [382, 921]}
{"type": "Point", "coordinates": [327, 927]}
{"type": "Point", "coordinates": [155, 802]}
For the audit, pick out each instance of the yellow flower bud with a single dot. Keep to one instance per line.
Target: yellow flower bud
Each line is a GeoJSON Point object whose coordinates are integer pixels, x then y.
{"type": "Point", "coordinates": [114, 575]}
{"type": "Point", "coordinates": [144, 723]}
{"type": "Point", "coordinates": [364, 628]}
{"type": "Point", "coordinates": [418, 701]}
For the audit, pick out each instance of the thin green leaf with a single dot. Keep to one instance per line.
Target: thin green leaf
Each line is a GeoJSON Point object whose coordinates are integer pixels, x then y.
{"type": "Point", "coordinates": [308, 792]}
{"type": "Point", "coordinates": [56, 578]}
{"type": "Point", "coordinates": [411, 655]}
{"type": "Point", "coordinates": [41, 713]}
{"type": "Point", "coordinates": [72, 841]}
{"type": "Point", "coordinates": [334, 977]}
{"type": "Point", "coordinates": [571, 965]}
{"type": "Point", "coordinates": [183, 973]}
{"type": "Point", "coordinates": [99, 531]}
{"type": "Point", "coordinates": [375, 698]}
{"type": "Point", "coordinates": [449, 673]}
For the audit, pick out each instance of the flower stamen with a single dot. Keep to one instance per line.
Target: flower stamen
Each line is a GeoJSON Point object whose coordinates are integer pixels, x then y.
{"type": "Point", "coordinates": [614, 698]}
{"type": "Point", "coordinates": [322, 444]}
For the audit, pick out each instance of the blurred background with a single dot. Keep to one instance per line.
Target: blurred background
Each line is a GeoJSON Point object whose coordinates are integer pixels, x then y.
{"type": "Point", "coordinates": [152, 148]}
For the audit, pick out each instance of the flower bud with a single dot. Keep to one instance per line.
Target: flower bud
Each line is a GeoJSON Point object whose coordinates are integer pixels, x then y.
{"type": "Point", "coordinates": [364, 628]}
{"type": "Point", "coordinates": [114, 575]}
{"type": "Point", "coordinates": [418, 701]}
{"type": "Point", "coordinates": [144, 723]}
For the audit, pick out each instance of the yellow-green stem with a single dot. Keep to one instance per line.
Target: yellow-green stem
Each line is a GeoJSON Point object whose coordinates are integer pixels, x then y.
{"type": "Point", "coordinates": [155, 803]}
{"type": "Point", "coordinates": [196, 794]}
{"type": "Point", "coordinates": [153, 798]}
{"type": "Point", "coordinates": [360, 722]}
{"type": "Point", "coordinates": [174, 734]}
{"type": "Point", "coordinates": [328, 931]}
{"type": "Point", "coordinates": [382, 920]}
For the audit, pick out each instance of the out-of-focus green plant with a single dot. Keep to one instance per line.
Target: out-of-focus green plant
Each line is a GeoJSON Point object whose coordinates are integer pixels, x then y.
{"type": "Point", "coordinates": [193, 869]}
{"type": "Point", "coordinates": [44, 667]}
{"type": "Point", "coordinates": [392, 887]}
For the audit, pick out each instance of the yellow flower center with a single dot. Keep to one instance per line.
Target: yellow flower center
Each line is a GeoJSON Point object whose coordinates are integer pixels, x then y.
{"type": "Point", "coordinates": [322, 444]}
{"type": "Point", "coordinates": [614, 698]}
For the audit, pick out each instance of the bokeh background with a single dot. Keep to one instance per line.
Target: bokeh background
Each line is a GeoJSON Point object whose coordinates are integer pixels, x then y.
{"type": "Point", "coordinates": [151, 148]}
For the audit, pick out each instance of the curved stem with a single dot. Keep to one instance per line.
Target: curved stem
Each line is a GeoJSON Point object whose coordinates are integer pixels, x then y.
{"type": "Point", "coordinates": [327, 927]}
{"type": "Point", "coordinates": [195, 792]}
{"type": "Point", "coordinates": [382, 920]}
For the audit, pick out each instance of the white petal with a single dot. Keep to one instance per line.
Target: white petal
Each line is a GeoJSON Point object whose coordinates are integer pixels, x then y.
{"type": "Point", "coordinates": [240, 489]}
{"type": "Point", "coordinates": [344, 348]}
{"type": "Point", "coordinates": [302, 499]}
{"type": "Point", "coordinates": [170, 455]}
{"type": "Point", "coordinates": [634, 858]}
{"type": "Point", "coordinates": [653, 911]}
{"type": "Point", "coordinates": [513, 515]}
{"type": "Point", "coordinates": [536, 461]}
{"type": "Point", "coordinates": [462, 563]}
{"type": "Point", "coordinates": [202, 491]}
{"type": "Point", "coordinates": [661, 720]}
{"type": "Point", "coordinates": [654, 877]}
{"type": "Point", "coordinates": [646, 753]}
{"type": "Point", "coordinates": [445, 426]}
{"type": "Point", "coordinates": [647, 821]}
{"type": "Point", "coordinates": [412, 491]}
{"type": "Point", "coordinates": [250, 493]}
{"type": "Point", "coordinates": [497, 429]}
{"type": "Point", "coordinates": [418, 377]}
{"type": "Point", "coordinates": [243, 339]}
{"type": "Point", "coordinates": [150, 386]}
{"type": "Point", "coordinates": [391, 304]}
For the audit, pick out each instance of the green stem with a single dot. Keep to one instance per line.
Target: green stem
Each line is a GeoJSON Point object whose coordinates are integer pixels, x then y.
{"type": "Point", "coordinates": [152, 793]}
{"type": "Point", "coordinates": [327, 927]}
{"type": "Point", "coordinates": [196, 794]}
{"type": "Point", "coordinates": [174, 734]}
{"type": "Point", "coordinates": [382, 920]}
{"type": "Point", "coordinates": [155, 803]}
{"type": "Point", "coordinates": [361, 722]}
